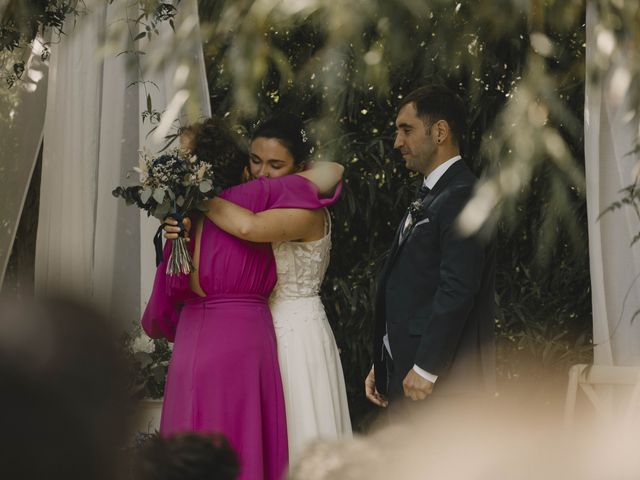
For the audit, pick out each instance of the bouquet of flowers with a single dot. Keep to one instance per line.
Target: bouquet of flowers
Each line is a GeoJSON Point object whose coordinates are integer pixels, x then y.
{"type": "Point", "coordinates": [170, 184]}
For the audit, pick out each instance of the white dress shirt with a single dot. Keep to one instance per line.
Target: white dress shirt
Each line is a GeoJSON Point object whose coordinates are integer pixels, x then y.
{"type": "Point", "coordinates": [430, 182]}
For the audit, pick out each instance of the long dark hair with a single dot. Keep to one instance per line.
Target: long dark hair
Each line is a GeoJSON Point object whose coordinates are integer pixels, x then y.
{"type": "Point", "coordinates": [289, 130]}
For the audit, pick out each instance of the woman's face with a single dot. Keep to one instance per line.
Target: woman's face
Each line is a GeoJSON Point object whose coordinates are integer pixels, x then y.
{"type": "Point", "coordinates": [268, 157]}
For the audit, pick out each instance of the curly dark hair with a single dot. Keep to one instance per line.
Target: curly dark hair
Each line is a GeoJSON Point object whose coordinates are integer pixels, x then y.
{"type": "Point", "coordinates": [215, 143]}
{"type": "Point", "coordinates": [187, 456]}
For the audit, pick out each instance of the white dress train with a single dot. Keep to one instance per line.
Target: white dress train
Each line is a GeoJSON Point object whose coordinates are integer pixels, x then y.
{"type": "Point", "coordinates": [314, 389]}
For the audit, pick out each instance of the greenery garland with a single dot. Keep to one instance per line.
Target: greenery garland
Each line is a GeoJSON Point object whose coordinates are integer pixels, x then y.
{"type": "Point", "coordinates": [23, 20]}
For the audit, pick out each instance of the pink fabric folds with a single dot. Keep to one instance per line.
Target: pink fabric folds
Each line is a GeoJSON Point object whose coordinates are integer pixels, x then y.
{"type": "Point", "coordinates": [224, 374]}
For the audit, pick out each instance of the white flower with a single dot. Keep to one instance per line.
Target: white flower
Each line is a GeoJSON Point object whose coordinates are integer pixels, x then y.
{"type": "Point", "coordinates": [142, 169]}
{"type": "Point", "coordinates": [201, 171]}
{"type": "Point", "coordinates": [143, 344]}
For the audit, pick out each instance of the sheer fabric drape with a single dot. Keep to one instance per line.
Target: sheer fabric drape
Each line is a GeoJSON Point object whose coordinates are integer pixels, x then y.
{"type": "Point", "coordinates": [610, 135]}
{"type": "Point", "coordinates": [89, 244]}
{"type": "Point", "coordinates": [21, 126]}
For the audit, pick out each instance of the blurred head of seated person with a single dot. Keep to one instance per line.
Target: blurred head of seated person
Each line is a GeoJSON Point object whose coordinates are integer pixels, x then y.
{"type": "Point", "coordinates": [357, 458]}
{"type": "Point", "coordinates": [187, 456]}
{"type": "Point", "coordinates": [64, 402]}
{"type": "Point", "coordinates": [500, 439]}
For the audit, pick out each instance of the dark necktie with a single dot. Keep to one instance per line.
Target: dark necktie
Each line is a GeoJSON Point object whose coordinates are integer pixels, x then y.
{"type": "Point", "coordinates": [423, 191]}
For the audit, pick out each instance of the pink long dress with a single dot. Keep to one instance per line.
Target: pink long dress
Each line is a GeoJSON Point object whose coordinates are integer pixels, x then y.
{"type": "Point", "coordinates": [224, 375]}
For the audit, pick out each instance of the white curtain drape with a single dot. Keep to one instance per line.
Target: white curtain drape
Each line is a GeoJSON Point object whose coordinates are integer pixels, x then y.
{"type": "Point", "coordinates": [610, 135]}
{"type": "Point", "coordinates": [21, 127]}
{"type": "Point", "coordinates": [90, 245]}
{"type": "Point", "coordinates": [183, 94]}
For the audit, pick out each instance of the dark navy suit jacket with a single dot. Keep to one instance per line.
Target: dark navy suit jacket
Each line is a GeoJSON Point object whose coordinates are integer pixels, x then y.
{"type": "Point", "coordinates": [435, 297]}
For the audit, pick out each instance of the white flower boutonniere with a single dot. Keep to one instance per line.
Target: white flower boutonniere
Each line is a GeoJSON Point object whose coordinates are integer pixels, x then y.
{"type": "Point", "coordinates": [417, 211]}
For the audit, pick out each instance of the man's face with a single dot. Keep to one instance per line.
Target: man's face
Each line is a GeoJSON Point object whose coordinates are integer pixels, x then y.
{"type": "Point", "coordinates": [414, 140]}
{"type": "Point", "coordinates": [270, 158]}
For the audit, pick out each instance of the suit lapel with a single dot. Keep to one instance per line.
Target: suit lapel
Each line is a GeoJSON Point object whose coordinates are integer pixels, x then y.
{"type": "Point", "coordinates": [446, 178]}
{"type": "Point", "coordinates": [438, 188]}
{"type": "Point", "coordinates": [394, 246]}
{"type": "Point", "coordinates": [426, 201]}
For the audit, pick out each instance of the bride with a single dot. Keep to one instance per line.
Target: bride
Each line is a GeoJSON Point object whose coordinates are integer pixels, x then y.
{"type": "Point", "coordinates": [313, 382]}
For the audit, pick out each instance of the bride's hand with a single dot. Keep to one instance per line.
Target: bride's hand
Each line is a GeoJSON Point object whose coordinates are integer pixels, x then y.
{"type": "Point", "coordinates": [172, 231]}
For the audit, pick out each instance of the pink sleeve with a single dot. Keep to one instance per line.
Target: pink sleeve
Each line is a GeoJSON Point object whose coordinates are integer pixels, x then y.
{"type": "Point", "coordinates": [295, 191]}
{"type": "Point", "coordinates": [289, 191]}
{"type": "Point", "coordinates": [160, 317]}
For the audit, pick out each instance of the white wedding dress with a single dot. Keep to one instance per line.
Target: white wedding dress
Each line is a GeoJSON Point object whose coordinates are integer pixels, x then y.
{"type": "Point", "coordinates": [314, 389]}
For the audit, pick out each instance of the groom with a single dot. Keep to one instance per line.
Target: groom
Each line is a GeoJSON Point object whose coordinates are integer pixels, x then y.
{"type": "Point", "coordinates": [434, 321]}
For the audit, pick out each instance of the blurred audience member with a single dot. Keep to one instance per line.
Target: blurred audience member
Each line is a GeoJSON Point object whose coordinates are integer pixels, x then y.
{"type": "Point", "coordinates": [187, 456]}
{"type": "Point", "coordinates": [63, 406]}
{"type": "Point", "coordinates": [479, 442]}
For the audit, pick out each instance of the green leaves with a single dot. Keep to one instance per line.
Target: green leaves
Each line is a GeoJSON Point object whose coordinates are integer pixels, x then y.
{"type": "Point", "coordinates": [345, 66]}
{"type": "Point", "coordinates": [158, 195]}
{"type": "Point", "coordinates": [146, 195]}
{"type": "Point", "coordinates": [20, 22]}
{"type": "Point", "coordinates": [147, 371]}
{"type": "Point", "coordinates": [163, 209]}
{"type": "Point", "coordinates": [170, 182]}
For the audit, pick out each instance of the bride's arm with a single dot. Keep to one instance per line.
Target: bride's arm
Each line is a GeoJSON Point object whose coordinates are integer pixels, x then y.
{"type": "Point", "coordinates": [325, 176]}
{"type": "Point", "coordinates": [279, 224]}
{"type": "Point", "coordinates": [275, 225]}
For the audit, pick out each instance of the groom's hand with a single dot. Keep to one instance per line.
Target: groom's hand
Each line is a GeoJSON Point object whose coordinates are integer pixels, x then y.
{"type": "Point", "coordinates": [416, 387]}
{"type": "Point", "coordinates": [372, 393]}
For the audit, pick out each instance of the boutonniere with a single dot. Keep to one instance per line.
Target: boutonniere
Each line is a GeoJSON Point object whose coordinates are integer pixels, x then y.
{"type": "Point", "coordinates": [417, 211]}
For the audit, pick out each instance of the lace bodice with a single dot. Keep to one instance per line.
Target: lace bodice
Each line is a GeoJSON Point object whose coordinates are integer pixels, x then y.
{"type": "Point", "coordinates": [301, 266]}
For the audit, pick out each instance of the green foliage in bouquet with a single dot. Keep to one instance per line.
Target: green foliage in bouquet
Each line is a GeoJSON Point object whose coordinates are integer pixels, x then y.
{"type": "Point", "coordinates": [174, 182]}
{"type": "Point", "coordinates": [171, 184]}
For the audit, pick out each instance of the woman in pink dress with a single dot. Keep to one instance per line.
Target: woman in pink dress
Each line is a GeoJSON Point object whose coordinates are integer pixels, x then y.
{"type": "Point", "coordinates": [224, 375]}
{"type": "Point", "coordinates": [313, 382]}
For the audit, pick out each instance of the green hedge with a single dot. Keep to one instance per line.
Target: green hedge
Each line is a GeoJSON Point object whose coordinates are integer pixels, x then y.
{"type": "Point", "coordinates": [484, 53]}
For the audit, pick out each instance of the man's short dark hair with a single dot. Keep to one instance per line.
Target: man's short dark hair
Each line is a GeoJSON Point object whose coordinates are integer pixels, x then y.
{"type": "Point", "coordinates": [437, 102]}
